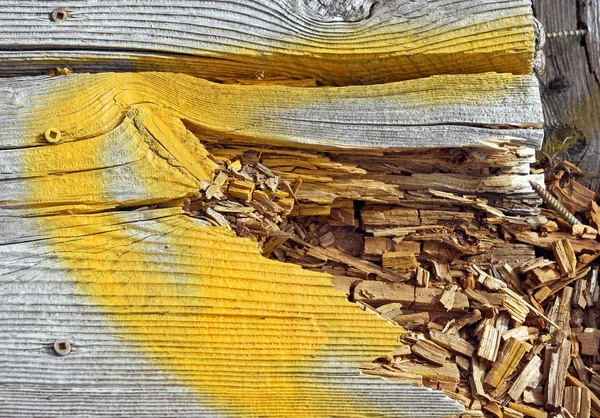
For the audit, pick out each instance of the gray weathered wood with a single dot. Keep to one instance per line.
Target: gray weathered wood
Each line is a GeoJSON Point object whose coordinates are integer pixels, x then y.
{"type": "Point", "coordinates": [440, 111]}
{"type": "Point", "coordinates": [48, 294]}
{"type": "Point", "coordinates": [335, 42]}
{"type": "Point", "coordinates": [570, 86]}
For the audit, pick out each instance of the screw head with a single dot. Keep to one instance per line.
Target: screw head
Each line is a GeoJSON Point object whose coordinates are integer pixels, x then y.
{"type": "Point", "coordinates": [52, 135]}
{"type": "Point", "coordinates": [62, 347]}
{"type": "Point", "coordinates": [59, 15]}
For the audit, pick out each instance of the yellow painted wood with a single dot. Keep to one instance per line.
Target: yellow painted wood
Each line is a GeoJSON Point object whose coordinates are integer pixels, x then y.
{"type": "Point", "coordinates": [251, 337]}
{"type": "Point", "coordinates": [451, 110]}
{"type": "Point", "coordinates": [238, 328]}
{"type": "Point", "coordinates": [339, 43]}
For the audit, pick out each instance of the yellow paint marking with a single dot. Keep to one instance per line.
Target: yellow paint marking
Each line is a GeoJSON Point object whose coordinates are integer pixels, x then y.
{"type": "Point", "coordinates": [250, 335]}
{"type": "Point", "coordinates": [257, 329]}
{"type": "Point", "coordinates": [89, 105]}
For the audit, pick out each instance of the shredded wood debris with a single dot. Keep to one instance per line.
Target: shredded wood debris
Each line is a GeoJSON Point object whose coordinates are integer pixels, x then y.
{"type": "Point", "coordinates": [498, 296]}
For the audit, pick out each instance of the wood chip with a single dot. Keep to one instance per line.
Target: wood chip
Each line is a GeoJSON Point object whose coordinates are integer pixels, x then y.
{"type": "Point", "coordinates": [559, 362]}
{"type": "Point", "coordinates": [530, 376]}
{"type": "Point", "coordinates": [489, 342]}
{"type": "Point", "coordinates": [430, 351]}
{"type": "Point", "coordinates": [507, 361]}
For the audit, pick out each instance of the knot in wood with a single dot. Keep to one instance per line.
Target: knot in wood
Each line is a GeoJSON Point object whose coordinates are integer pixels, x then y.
{"type": "Point", "coordinates": [62, 347]}
{"type": "Point", "coordinates": [340, 10]}
{"type": "Point", "coordinates": [59, 15]}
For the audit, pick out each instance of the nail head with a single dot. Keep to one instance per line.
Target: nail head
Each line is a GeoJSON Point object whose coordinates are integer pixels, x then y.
{"type": "Point", "coordinates": [59, 15]}
{"type": "Point", "coordinates": [62, 347]}
{"type": "Point", "coordinates": [52, 135]}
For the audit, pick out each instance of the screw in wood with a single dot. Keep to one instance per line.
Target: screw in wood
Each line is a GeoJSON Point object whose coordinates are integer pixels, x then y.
{"type": "Point", "coordinates": [59, 15]}
{"type": "Point", "coordinates": [52, 135]}
{"type": "Point", "coordinates": [62, 347]}
{"type": "Point", "coordinates": [554, 204]}
{"type": "Point", "coordinates": [566, 33]}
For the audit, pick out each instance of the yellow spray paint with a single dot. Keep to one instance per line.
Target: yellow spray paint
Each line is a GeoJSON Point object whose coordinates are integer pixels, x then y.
{"type": "Point", "coordinates": [249, 334]}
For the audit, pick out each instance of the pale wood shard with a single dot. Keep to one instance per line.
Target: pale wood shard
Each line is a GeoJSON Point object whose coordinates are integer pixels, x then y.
{"type": "Point", "coordinates": [468, 319]}
{"type": "Point", "coordinates": [519, 333]}
{"type": "Point", "coordinates": [339, 43]}
{"type": "Point", "coordinates": [579, 365]}
{"type": "Point", "coordinates": [595, 401]}
{"type": "Point", "coordinates": [529, 377]}
{"type": "Point", "coordinates": [489, 343]}
{"type": "Point", "coordinates": [430, 352]}
{"type": "Point", "coordinates": [447, 297]}
{"type": "Point", "coordinates": [589, 339]}
{"type": "Point", "coordinates": [574, 196]}
{"type": "Point", "coordinates": [563, 313]}
{"type": "Point", "coordinates": [493, 409]}
{"type": "Point", "coordinates": [411, 297]}
{"type": "Point", "coordinates": [423, 277]}
{"type": "Point", "coordinates": [452, 343]}
{"type": "Point", "coordinates": [565, 257]}
{"type": "Point", "coordinates": [476, 378]}
{"type": "Point", "coordinates": [559, 361]}
{"type": "Point", "coordinates": [533, 397]}
{"type": "Point", "coordinates": [444, 377]}
{"type": "Point", "coordinates": [511, 413]}
{"type": "Point", "coordinates": [578, 402]}
{"type": "Point", "coordinates": [579, 244]}
{"type": "Point", "coordinates": [412, 320]}
{"type": "Point", "coordinates": [507, 361]}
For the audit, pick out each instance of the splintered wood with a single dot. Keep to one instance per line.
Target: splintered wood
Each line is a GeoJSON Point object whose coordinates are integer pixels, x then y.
{"type": "Point", "coordinates": [499, 298]}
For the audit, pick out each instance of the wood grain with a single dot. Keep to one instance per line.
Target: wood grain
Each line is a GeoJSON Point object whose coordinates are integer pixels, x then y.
{"type": "Point", "coordinates": [162, 309]}
{"type": "Point", "coordinates": [451, 110]}
{"type": "Point", "coordinates": [337, 43]}
{"type": "Point", "coordinates": [158, 304]}
{"type": "Point", "coordinates": [570, 87]}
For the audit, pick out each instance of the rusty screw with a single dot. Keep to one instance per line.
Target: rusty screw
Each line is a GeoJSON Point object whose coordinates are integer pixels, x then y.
{"type": "Point", "coordinates": [62, 347]}
{"type": "Point", "coordinates": [566, 33]}
{"type": "Point", "coordinates": [554, 204]}
{"type": "Point", "coordinates": [59, 15]}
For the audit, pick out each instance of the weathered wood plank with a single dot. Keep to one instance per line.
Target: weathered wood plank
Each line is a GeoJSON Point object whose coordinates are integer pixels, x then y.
{"type": "Point", "coordinates": [570, 86]}
{"type": "Point", "coordinates": [156, 303]}
{"type": "Point", "coordinates": [462, 110]}
{"type": "Point", "coordinates": [340, 42]}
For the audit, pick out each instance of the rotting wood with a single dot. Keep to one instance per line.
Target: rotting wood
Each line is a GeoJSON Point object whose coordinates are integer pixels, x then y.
{"type": "Point", "coordinates": [452, 343]}
{"type": "Point", "coordinates": [528, 410]}
{"type": "Point", "coordinates": [459, 215]}
{"type": "Point", "coordinates": [430, 352]}
{"type": "Point", "coordinates": [577, 401]}
{"type": "Point", "coordinates": [489, 343]}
